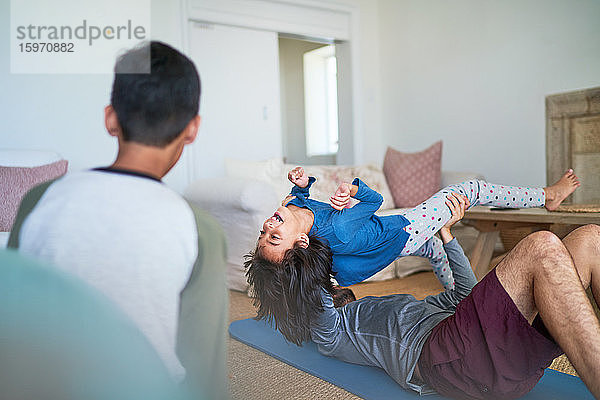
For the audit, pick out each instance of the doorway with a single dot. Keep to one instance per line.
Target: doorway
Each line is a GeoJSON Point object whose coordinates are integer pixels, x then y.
{"type": "Point", "coordinates": [309, 101]}
{"type": "Point", "coordinates": [235, 46]}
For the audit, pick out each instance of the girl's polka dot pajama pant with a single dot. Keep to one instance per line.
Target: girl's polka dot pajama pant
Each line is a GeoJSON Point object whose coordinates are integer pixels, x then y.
{"type": "Point", "coordinates": [430, 216]}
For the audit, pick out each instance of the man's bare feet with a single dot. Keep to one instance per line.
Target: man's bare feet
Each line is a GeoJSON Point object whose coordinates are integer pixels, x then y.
{"type": "Point", "coordinates": [556, 193]}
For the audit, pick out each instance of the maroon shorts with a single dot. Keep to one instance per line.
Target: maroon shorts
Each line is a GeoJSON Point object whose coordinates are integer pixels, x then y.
{"type": "Point", "coordinates": [487, 349]}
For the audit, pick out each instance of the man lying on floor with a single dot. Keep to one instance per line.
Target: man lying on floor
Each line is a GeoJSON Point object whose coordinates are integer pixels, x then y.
{"type": "Point", "coordinates": [486, 340]}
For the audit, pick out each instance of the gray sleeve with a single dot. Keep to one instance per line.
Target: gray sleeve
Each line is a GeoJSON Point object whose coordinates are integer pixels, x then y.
{"type": "Point", "coordinates": [324, 328]}
{"type": "Point", "coordinates": [203, 315]}
{"type": "Point", "coordinates": [27, 205]}
{"type": "Point", "coordinates": [464, 278]}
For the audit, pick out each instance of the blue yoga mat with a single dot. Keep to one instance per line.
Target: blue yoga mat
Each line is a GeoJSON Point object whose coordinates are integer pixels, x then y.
{"type": "Point", "coordinates": [373, 383]}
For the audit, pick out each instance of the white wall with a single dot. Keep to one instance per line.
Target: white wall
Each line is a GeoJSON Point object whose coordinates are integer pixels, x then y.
{"type": "Point", "coordinates": [65, 113]}
{"type": "Point", "coordinates": [475, 74]}
{"type": "Point", "coordinates": [240, 104]}
{"type": "Point", "coordinates": [369, 141]}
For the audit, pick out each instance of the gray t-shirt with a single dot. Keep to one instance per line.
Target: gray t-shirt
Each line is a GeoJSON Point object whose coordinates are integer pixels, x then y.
{"type": "Point", "coordinates": [389, 332]}
{"type": "Point", "coordinates": [149, 251]}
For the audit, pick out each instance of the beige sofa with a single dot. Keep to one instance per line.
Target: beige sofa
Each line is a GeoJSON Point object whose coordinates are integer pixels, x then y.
{"type": "Point", "coordinates": [251, 191]}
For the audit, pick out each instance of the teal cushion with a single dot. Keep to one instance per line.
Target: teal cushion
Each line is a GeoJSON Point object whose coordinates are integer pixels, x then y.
{"type": "Point", "coordinates": [61, 339]}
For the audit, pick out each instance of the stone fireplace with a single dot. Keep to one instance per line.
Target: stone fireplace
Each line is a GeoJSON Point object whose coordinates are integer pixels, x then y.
{"type": "Point", "coordinates": [573, 141]}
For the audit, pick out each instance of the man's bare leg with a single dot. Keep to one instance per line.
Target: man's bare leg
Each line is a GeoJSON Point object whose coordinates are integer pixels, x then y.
{"type": "Point", "coordinates": [540, 276]}
{"type": "Point", "coordinates": [584, 245]}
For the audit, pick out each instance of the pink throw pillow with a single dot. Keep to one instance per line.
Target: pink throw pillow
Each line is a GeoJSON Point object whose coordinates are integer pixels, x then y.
{"type": "Point", "coordinates": [413, 177]}
{"type": "Point", "coordinates": [15, 182]}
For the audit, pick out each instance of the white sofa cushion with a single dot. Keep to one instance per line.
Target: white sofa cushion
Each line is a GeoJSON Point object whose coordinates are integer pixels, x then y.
{"type": "Point", "coordinates": [271, 172]}
{"type": "Point", "coordinates": [240, 205]}
{"type": "Point", "coordinates": [274, 173]}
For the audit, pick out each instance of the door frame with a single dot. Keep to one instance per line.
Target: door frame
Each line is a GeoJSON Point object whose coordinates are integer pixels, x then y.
{"type": "Point", "coordinates": [307, 19]}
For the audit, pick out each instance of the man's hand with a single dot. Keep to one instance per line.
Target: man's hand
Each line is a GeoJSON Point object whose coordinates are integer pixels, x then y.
{"type": "Point", "coordinates": [341, 197]}
{"type": "Point", "coordinates": [298, 177]}
{"type": "Point", "coordinates": [457, 203]}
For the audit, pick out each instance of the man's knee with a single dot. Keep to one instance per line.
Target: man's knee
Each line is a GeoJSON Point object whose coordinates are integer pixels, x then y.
{"type": "Point", "coordinates": [545, 252]}
{"type": "Point", "coordinates": [543, 241]}
{"type": "Point", "coordinates": [549, 255]}
{"type": "Point", "coordinates": [584, 241]}
{"type": "Point", "coordinates": [589, 233]}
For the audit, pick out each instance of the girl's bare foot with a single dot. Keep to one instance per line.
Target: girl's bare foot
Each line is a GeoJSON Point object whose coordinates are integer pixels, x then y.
{"type": "Point", "coordinates": [556, 193]}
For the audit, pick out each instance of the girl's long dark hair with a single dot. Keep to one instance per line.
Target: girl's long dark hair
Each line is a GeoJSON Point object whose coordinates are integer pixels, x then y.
{"type": "Point", "coordinates": [288, 294]}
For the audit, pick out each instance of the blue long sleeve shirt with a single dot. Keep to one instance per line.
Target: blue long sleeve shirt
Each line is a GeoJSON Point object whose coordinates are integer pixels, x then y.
{"type": "Point", "coordinates": [389, 332]}
{"type": "Point", "coordinates": [362, 242]}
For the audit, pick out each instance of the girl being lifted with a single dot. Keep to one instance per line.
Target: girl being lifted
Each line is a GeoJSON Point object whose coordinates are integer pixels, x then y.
{"type": "Point", "coordinates": [286, 267]}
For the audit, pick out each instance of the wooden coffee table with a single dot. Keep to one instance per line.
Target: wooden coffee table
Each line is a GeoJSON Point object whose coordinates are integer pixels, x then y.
{"type": "Point", "coordinates": [490, 222]}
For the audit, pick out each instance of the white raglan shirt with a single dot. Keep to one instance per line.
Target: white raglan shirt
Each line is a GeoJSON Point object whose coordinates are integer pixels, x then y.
{"type": "Point", "coordinates": [131, 237]}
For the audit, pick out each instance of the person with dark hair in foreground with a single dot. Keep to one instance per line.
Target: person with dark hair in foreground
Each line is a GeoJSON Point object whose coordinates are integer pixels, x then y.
{"type": "Point", "coordinates": [486, 340]}
{"type": "Point", "coordinates": [124, 232]}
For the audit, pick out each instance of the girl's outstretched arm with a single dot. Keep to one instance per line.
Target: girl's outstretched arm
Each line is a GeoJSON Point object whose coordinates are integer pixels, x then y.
{"type": "Point", "coordinates": [370, 201]}
{"type": "Point", "coordinates": [302, 183]}
{"type": "Point", "coordinates": [298, 177]}
{"type": "Point", "coordinates": [347, 221]}
{"type": "Point", "coordinates": [341, 197]}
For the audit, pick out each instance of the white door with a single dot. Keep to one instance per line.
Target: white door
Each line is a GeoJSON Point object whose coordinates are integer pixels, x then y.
{"type": "Point", "coordinates": [240, 100]}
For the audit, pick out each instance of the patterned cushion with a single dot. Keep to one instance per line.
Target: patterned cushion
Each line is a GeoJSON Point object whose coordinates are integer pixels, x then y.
{"type": "Point", "coordinates": [274, 172]}
{"type": "Point", "coordinates": [330, 176]}
{"type": "Point", "coordinates": [17, 181]}
{"type": "Point", "coordinates": [328, 179]}
{"type": "Point", "coordinates": [373, 176]}
{"type": "Point", "coordinates": [413, 177]}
